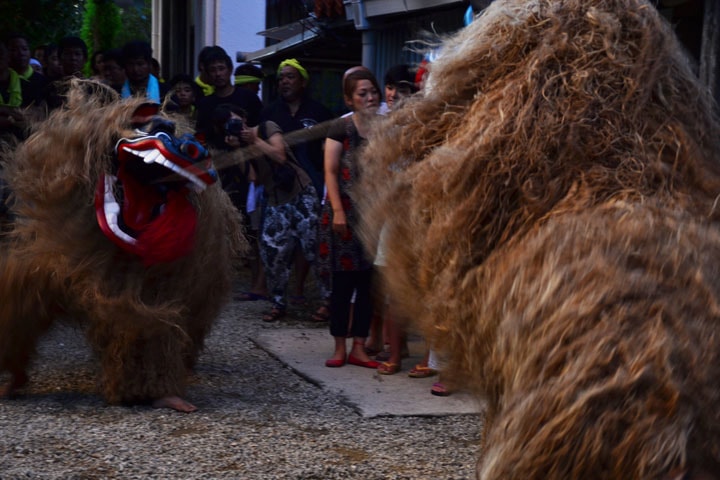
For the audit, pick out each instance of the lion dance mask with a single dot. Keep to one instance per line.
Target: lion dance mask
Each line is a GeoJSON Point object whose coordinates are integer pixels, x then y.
{"type": "Point", "coordinates": [550, 207]}
{"type": "Point", "coordinates": [119, 227]}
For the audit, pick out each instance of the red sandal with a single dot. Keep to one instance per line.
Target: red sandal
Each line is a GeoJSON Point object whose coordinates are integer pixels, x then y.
{"type": "Point", "coordinates": [388, 368]}
{"type": "Point", "coordinates": [439, 390]}
{"type": "Point", "coordinates": [276, 313]}
{"type": "Point", "coordinates": [422, 371]}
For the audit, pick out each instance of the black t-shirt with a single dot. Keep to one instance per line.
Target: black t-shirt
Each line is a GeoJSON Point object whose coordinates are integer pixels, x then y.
{"type": "Point", "coordinates": [310, 114]}
{"type": "Point", "coordinates": [241, 97]}
{"type": "Point", "coordinates": [33, 89]}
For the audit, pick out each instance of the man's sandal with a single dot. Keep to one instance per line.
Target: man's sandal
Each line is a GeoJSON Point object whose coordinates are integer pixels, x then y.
{"type": "Point", "coordinates": [276, 313]}
{"type": "Point", "coordinates": [388, 368]}
{"type": "Point", "coordinates": [422, 371]}
{"type": "Point", "coordinates": [322, 314]}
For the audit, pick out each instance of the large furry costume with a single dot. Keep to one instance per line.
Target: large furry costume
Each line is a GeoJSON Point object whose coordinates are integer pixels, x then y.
{"type": "Point", "coordinates": [552, 228]}
{"type": "Point", "coordinates": [145, 306]}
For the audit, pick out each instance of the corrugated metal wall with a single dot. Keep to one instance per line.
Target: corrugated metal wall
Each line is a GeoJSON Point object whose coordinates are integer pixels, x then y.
{"type": "Point", "coordinates": [396, 43]}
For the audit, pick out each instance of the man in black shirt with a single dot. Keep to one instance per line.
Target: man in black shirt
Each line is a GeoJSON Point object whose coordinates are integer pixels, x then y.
{"type": "Point", "coordinates": [218, 67]}
{"type": "Point", "coordinates": [295, 110]}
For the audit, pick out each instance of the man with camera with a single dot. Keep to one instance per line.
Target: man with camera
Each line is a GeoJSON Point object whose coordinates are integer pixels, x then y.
{"type": "Point", "coordinates": [291, 203]}
{"type": "Point", "coordinates": [218, 68]}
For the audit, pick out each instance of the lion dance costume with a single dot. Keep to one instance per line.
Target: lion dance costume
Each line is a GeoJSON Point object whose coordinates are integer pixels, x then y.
{"type": "Point", "coordinates": [119, 227]}
{"type": "Point", "coordinates": [552, 228]}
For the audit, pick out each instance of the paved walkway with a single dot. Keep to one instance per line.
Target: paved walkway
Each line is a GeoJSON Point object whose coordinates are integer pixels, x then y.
{"type": "Point", "coordinates": [305, 350]}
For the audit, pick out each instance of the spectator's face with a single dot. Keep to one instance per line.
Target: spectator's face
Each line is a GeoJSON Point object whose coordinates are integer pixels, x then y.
{"type": "Point", "coordinates": [39, 55]}
{"type": "Point", "coordinates": [113, 73]}
{"type": "Point", "coordinates": [98, 64]}
{"type": "Point", "coordinates": [218, 73]}
{"type": "Point", "coordinates": [137, 70]}
{"type": "Point", "coordinates": [53, 69]}
{"type": "Point", "coordinates": [185, 95]}
{"type": "Point", "coordinates": [365, 97]}
{"type": "Point", "coordinates": [394, 93]}
{"type": "Point", "coordinates": [72, 60]}
{"type": "Point", "coordinates": [291, 84]}
{"type": "Point", "coordinates": [19, 54]}
{"type": "Point", "coordinates": [253, 87]}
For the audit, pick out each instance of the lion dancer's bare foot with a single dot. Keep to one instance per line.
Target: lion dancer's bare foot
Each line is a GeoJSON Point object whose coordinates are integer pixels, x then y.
{"type": "Point", "coordinates": [18, 379]}
{"type": "Point", "coordinates": [174, 402]}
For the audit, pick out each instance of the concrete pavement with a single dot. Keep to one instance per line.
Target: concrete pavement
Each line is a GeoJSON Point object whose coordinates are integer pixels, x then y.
{"type": "Point", "coordinates": [305, 350]}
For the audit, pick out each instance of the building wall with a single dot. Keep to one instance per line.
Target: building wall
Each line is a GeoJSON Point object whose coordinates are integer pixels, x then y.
{"type": "Point", "coordinates": [181, 28]}
{"type": "Point", "coordinates": [238, 25]}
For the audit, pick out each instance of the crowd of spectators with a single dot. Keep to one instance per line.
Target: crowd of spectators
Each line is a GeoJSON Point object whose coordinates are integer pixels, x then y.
{"type": "Point", "coordinates": [293, 196]}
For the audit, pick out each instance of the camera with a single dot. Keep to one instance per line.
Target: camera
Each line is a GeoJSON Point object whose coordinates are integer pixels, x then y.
{"type": "Point", "coordinates": [233, 127]}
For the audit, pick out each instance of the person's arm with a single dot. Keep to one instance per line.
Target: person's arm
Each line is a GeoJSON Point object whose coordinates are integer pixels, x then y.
{"type": "Point", "coordinates": [332, 156]}
{"type": "Point", "coordinates": [273, 147]}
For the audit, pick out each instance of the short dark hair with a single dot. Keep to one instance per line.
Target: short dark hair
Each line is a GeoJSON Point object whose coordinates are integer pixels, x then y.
{"type": "Point", "coordinates": [400, 75]}
{"type": "Point", "coordinates": [203, 53]}
{"type": "Point", "coordinates": [114, 55]}
{"type": "Point", "coordinates": [72, 42]}
{"type": "Point", "coordinates": [14, 35]}
{"type": "Point", "coordinates": [216, 54]}
{"type": "Point", "coordinates": [185, 78]}
{"type": "Point", "coordinates": [221, 113]}
{"type": "Point", "coordinates": [137, 49]}
{"type": "Point", "coordinates": [353, 78]}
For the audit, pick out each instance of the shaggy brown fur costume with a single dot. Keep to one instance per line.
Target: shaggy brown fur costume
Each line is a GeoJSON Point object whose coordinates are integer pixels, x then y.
{"type": "Point", "coordinates": [552, 229]}
{"type": "Point", "coordinates": [146, 324]}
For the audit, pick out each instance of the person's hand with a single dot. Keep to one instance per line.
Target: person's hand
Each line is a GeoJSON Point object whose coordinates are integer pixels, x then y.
{"type": "Point", "coordinates": [248, 136]}
{"type": "Point", "coordinates": [232, 141]}
{"type": "Point", "coordinates": [339, 224]}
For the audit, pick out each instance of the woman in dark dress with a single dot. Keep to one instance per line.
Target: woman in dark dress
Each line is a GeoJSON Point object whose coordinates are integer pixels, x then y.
{"type": "Point", "coordinates": [340, 251]}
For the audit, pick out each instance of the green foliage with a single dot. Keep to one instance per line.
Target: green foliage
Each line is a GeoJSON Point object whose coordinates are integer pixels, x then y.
{"type": "Point", "coordinates": [47, 21]}
{"type": "Point", "coordinates": [101, 24]}
{"type": "Point", "coordinates": [42, 21]}
{"type": "Point", "coordinates": [136, 22]}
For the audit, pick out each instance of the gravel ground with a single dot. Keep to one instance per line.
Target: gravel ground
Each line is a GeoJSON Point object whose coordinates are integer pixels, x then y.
{"type": "Point", "coordinates": [257, 420]}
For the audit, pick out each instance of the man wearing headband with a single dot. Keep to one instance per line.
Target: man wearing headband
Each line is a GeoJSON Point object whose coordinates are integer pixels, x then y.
{"type": "Point", "coordinates": [295, 110]}
{"type": "Point", "coordinates": [249, 76]}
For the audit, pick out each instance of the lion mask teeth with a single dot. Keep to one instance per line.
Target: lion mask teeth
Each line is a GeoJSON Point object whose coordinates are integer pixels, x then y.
{"type": "Point", "coordinates": [156, 172]}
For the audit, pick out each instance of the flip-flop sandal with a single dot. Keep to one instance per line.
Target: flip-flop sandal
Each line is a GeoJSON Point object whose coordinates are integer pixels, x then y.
{"type": "Point", "coordinates": [321, 315]}
{"type": "Point", "coordinates": [275, 314]}
{"type": "Point", "coordinates": [439, 390]}
{"type": "Point", "coordinates": [421, 371]}
{"type": "Point", "coordinates": [388, 368]}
